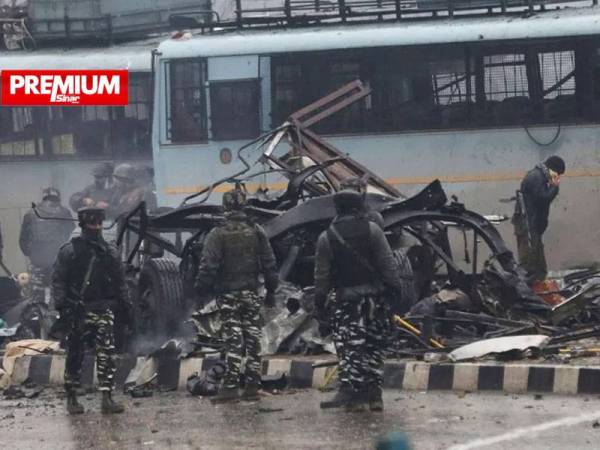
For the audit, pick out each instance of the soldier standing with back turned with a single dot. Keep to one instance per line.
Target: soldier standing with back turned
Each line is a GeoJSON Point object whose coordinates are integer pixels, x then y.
{"type": "Point", "coordinates": [89, 284]}
{"type": "Point", "coordinates": [354, 258]}
{"type": "Point", "coordinates": [233, 257]}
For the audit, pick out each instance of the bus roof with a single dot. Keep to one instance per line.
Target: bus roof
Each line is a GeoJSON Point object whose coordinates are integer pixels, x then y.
{"type": "Point", "coordinates": [582, 21]}
{"type": "Point", "coordinates": [135, 56]}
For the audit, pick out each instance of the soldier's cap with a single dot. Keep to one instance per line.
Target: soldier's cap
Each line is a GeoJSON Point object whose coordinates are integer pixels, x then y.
{"type": "Point", "coordinates": [234, 200]}
{"type": "Point", "coordinates": [50, 192]}
{"type": "Point", "coordinates": [90, 214]}
{"type": "Point", "coordinates": [103, 170]}
{"type": "Point", "coordinates": [348, 200]}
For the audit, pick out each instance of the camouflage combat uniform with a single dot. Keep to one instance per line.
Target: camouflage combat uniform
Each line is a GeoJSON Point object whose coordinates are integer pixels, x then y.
{"type": "Point", "coordinates": [88, 284]}
{"type": "Point", "coordinates": [233, 257]}
{"type": "Point", "coordinates": [355, 259]}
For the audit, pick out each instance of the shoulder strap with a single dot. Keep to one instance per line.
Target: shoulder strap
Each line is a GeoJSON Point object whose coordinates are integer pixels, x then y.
{"type": "Point", "coordinates": [333, 232]}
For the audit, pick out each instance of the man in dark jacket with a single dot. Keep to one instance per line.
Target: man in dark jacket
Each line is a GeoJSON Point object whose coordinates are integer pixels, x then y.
{"type": "Point", "coordinates": [233, 257]}
{"type": "Point", "coordinates": [354, 258]}
{"type": "Point", "coordinates": [98, 194]}
{"type": "Point", "coordinates": [40, 239]}
{"type": "Point", "coordinates": [538, 189]}
{"type": "Point", "coordinates": [88, 285]}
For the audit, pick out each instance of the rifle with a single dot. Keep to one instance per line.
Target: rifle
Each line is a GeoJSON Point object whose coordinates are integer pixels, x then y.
{"type": "Point", "coordinates": [521, 211]}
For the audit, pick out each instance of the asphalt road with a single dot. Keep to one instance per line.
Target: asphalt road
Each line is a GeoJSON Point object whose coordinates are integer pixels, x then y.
{"type": "Point", "coordinates": [294, 421]}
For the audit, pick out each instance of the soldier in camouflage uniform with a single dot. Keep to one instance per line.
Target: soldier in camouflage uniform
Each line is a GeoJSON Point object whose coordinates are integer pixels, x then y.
{"type": "Point", "coordinates": [40, 240]}
{"type": "Point", "coordinates": [354, 258]}
{"type": "Point", "coordinates": [233, 257]}
{"type": "Point", "coordinates": [89, 285]}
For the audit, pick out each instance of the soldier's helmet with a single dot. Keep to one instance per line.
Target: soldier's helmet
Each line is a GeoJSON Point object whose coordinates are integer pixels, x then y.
{"type": "Point", "coordinates": [124, 172]}
{"type": "Point", "coordinates": [234, 200]}
{"type": "Point", "coordinates": [103, 170]}
{"type": "Point", "coordinates": [51, 193]}
{"type": "Point", "coordinates": [347, 201]}
{"type": "Point", "coordinates": [90, 215]}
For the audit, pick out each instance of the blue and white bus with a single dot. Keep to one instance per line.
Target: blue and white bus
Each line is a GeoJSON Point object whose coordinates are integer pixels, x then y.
{"type": "Point", "coordinates": [474, 100]}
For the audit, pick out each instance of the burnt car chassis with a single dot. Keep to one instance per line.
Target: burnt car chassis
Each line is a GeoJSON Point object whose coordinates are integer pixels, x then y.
{"type": "Point", "coordinates": [417, 228]}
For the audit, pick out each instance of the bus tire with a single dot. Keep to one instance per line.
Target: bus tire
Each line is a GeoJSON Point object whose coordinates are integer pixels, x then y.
{"type": "Point", "coordinates": [407, 281]}
{"type": "Point", "coordinates": [161, 292]}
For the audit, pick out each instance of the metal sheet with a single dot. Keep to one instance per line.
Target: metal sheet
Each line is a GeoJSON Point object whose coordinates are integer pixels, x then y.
{"type": "Point", "coordinates": [497, 345]}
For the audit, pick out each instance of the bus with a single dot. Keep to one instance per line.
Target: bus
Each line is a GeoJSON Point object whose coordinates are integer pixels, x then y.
{"type": "Point", "coordinates": [474, 100]}
{"type": "Point", "coordinates": [59, 146]}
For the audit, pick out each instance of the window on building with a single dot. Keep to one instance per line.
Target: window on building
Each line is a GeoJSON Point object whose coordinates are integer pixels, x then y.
{"type": "Point", "coordinates": [17, 133]}
{"type": "Point", "coordinates": [187, 118]}
{"type": "Point", "coordinates": [235, 109]}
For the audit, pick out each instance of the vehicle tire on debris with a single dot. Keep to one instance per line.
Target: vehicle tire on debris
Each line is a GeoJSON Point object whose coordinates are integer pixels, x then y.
{"type": "Point", "coordinates": [161, 305]}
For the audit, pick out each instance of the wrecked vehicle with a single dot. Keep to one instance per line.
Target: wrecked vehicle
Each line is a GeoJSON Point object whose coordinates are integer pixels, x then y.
{"type": "Point", "coordinates": [162, 251]}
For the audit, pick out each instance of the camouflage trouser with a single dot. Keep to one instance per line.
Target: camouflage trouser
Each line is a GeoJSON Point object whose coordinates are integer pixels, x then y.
{"type": "Point", "coordinates": [241, 331]}
{"type": "Point", "coordinates": [337, 339]}
{"type": "Point", "coordinates": [363, 329]}
{"type": "Point", "coordinates": [96, 329]}
{"type": "Point", "coordinates": [531, 255]}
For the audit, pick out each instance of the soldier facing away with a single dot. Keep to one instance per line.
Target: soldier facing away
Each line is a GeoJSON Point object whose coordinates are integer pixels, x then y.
{"type": "Point", "coordinates": [354, 258]}
{"type": "Point", "coordinates": [538, 190]}
{"type": "Point", "coordinates": [89, 284]}
{"type": "Point", "coordinates": [40, 239]}
{"type": "Point", "coordinates": [233, 257]}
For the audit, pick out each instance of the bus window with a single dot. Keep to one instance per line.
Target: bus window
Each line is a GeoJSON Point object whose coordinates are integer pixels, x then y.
{"type": "Point", "coordinates": [187, 114]}
{"type": "Point", "coordinates": [130, 132]}
{"type": "Point", "coordinates": [17, 134]}
{"type": "Point", "coordinates": [235, 109]}
{"type": "Point", "coordinates": [287, 95]}
{"type": "Point", "coordinates": [558, 78]}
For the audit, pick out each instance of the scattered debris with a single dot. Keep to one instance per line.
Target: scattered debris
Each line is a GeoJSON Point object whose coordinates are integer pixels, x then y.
{"type": "Point", "coordinates": [498, 346]}
{"type": "Point", "coordinates": [269, 410]}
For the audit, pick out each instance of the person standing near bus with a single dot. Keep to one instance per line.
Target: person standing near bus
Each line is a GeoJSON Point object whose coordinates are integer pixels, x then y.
{"type": "Point", "coordinates": [234, 255]}
{"type": "Point", "coordinates": [40, 240]}
{"type": "Point", "coordinates": [354, 258]}
{"type": "Point", "coordinates": [538, 190]}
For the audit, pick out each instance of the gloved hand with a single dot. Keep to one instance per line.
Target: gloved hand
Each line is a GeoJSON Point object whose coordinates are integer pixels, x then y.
{"type": "Point", "coordinates": [270, 299]}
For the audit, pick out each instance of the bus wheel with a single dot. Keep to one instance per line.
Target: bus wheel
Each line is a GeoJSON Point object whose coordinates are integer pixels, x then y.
{"type": "Point", "coordinates": [161, 307]}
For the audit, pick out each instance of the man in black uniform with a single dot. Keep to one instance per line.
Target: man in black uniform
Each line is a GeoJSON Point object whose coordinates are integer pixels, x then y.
{"type": "Point", "coordinates": [354, 258]}
{"type": "Point", "coordinates": [40, 240]}
{"type": "Point", "coordinates": [98, 194]}
{"type": "Point", "coordinates": [89, 284]}
{"type": "Point", "coordinates": [538, 189]}
{"type": "Point", "coordinates": [233, 256]}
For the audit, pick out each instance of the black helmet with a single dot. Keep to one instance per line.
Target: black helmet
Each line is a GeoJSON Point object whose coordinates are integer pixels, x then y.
{"type": "Point", "coordinates": [234, 200]}
{"type": "Point", "coordinates": [49, 192]}
{"type": "Point", "coordinates": [346, 201]}
{"type": "Point", "coordinates": [556, 163]}
{"type": "Point", "coordinates": [90, 215]}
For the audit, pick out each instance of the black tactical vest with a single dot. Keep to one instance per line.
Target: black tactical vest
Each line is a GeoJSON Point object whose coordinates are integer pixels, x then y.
{"type": "Point", "coordinates": [240, 265]}
{"type": "Point", "coordinates": [347, 269]}
{"type": "Point", "coordinates": [100, 289]}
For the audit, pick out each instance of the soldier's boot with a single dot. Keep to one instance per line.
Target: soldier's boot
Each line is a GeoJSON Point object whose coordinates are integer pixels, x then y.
{"type": "Point", "coordinates": [341, 398]}
{"type": "Point", "coordinates": [359, 401]}
{"type": "Point", "coordinates": [226, 395]}
{"type": "Point", "coordinates": [375, 399]}
{"type": "Point", "coordinates": [73, 406]}
{"type": "Point", "coordinates": [250, 393]}
{"type": "Point", "coordinates": [109, 406]}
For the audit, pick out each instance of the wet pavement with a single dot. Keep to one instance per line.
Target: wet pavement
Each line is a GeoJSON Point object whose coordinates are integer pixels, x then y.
{"type": "Point", "coordinates": [294, 421]}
